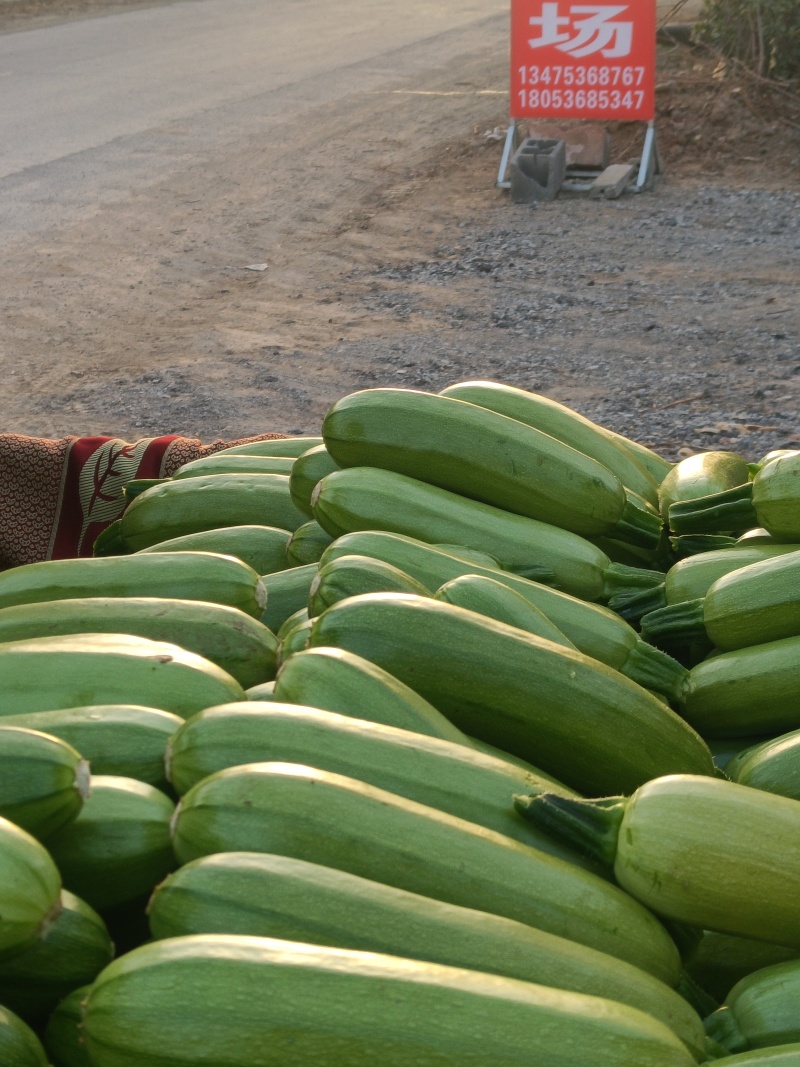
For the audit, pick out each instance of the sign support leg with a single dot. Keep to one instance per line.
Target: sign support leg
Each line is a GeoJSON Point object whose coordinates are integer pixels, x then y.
{"type": "Point", "coordinates": [650, 164]}
{"type": "Point", "coordinates": [508, 148]}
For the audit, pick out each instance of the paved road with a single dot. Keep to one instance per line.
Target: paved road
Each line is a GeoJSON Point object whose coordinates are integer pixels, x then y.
{"type": "Point", "coordinates": [93, 108]}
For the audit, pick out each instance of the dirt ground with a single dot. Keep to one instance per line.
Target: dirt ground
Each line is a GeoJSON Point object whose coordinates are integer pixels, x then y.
{"type": "Point", "coordinates": [671, 315]}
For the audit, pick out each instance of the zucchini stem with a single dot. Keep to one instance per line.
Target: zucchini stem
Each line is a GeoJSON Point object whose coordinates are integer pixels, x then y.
{"type": "Point", "coordinates": [656, 670]}
{"type": "Point", "coordinates": [637, 525]}
{"type": "Point", "coordinates": [717, 513]}
{"type": "Point", "coordinates": [676, 622]}
{"type": "Point", "coordinates": [619, 579]}
{"type": "Point", "coordinates": [631, 605]}
{"type": "Point", "coordinates": [721, 1027]}
{"type": "Point", "coordinates": [591, 827]}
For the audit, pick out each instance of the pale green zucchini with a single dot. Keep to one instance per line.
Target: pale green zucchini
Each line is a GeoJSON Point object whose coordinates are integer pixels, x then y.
{"type": "Point", "coordinates": [478, 453]}
{"type": "Point", "coordinates": [340, 822]}
{"type": "Point", "coordinates": [262, 692]}
{"type": "Point", "coordinates": [118, 848]}
{"type": "Point", "coordinates": [657, 467]}
{"type": "Point", "coordinates": [511, 689]}
{"type": "Point", "coordinates": [221, 464]}
{"type": "Point", "coordinates": [563, 424]}
{"type": "Point", "coordinates": [296, 640]}
{"type": "Point", "coordinates": [309, 469]}
{"type": "Point", "coordinates": [19, 1045]}
{"type": "Point", "coordinates": [777, 1056]}
{"type": "Point", "coordinates": [760, 1010]}
{"type": "Point", "coordinates": [239, 644]}
{"type": "Point", "coordinates": [63, 1035]}
{"type": "Point", "coordinates": [702, 851]}
{"type": "Point", "coordinates": [210, 999]}
{"type": "Point", "coordinates": [296, 619]}
{"type": "Point", "coordinates": [750, 691]}
{"type": "Point", "coordinates": [365, 498]}
{"type": "Point", "coordinates": [348, 576]}
{"type": "Point", "coordinates": [71, 953]}
{"type": "Point", "coordinates": [261, 547]}
{"type": "Point", "coordinates": [206, 576]}
{"type": "Point", "coordinates": [128, 740]}
{"type": "Point", "coordinates": [277, 446]}
{"type": "Point", "coordinates": [721, 960]}
{"type": "Point", "coordinates": [307, 544]}
{"type": "Point", "coordinates": [594, 630]}
{"type": "Point", "coordinates": [208, 503]}
{"type": "Point", "coordinates": [287, 592]}
{"type": "Point", "coordinates": [442, 774]}
{"type": "Point", "coordinates": [49, 673]}
{"type": "Point", "coordinates": [273, 896]}
{"type": "Point", "coordinates": [772, 765]}
{"type": "Point", "coordinates": [489, 597]}
{"type": "Point", "coordinates": [30, 890]}
{"type": "Point", "coordinates": [700, 475]}
{"type": "Point", "coordinates": [43, 781]}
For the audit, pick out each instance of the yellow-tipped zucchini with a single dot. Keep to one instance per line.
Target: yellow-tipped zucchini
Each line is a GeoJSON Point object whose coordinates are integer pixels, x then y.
{"type": "Point", "coordinates": [30, 890]}
{"type": "Point", "coordinates": [563, 424]}
{"type": "Point", "coordinates": [307, 544]}
{"type": "Point", "coordinates": [127, 740]}
{"type": "Point", "coordinates": [261, 547]}
{"type": "Point", "coordinates": [511, 689]}
{"type": "Point", "coordinates": [19, 1045]}
{"type": "Point", "coordinates": [701, 851]}
{"type": "Point", "coordinates": [49, 673]}
{"type": "Point", "coordinates": [701, 475]}
{"type": "Point", "coordinates": [340, 822]}
{"type": "Point", "coordinates": [273, 896]}
{"type": "Point", "coordinates": [277, 446]}
{"type": "Point", "coordinates": [309, 469]}
{"type": "Point", "coordinates": [211, 999]}
{"type": "Point", "coordinates": [348, 576]}
{"type": "Point", "coordinates": [760, 1010]}
{"type": "Point", "coordinates": [238, 644]}
{"type": "Point", "coordinates": [72, 952]}
{"type": "Point", "coordinates": [118, 848]}
{"type": "Point", "coordinates": [43, 781]}
{"type": "Point", "coordinates": [478, 453]}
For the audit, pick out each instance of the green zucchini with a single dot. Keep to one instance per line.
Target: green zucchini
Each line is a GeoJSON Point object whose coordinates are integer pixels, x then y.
{"type": "Point", "coordinates": [594, 630]}
{"type": "Point", "coordinates": [725, 749]}
{"type": "Point", "coordinates": [19, 1045]}
{"type": "Point", "coordinates": [210, 999]}
{"type": "Point", "coordinates": [63, 1035]}
{"type": "Point", "coordinates": [208, 503]}
{"type": "Point", "coordinates": [563, 424]}
{"type": "Point", "coordinates": [510, 689]}
{"type": "Point", "coordinates": [261, 547]}
{"type": "Point", "coordinates": [70, 954]}
{"type": "Point", "coordinates": [205, 576]}
{"type": "Point", "coordinates": [721, 960]}
{"type": "Point", "coordinates": [777, 1056]}
{"type": "Point", "coordinates": [128, 740]}
{"type": "Point", "coordinates": [49, 673]}
{"type": "Point", "coordinates": [750, 691]}
{"type": "Point", "coordinates": [702, 851]}
{"type": "Point", "coordinates": [262, 692]}
{"type": "Point", "coordinates": [43, 781]}
{"type": "Point", "coordinates": [748, 606]}
{"type": "Point", "coordinates": [309, 469]}
{"type": "Point", "coordinates": [136, 486]}
{"type": "Point", "coordinates": [772, 765]}
{"type": "Point", "coordinates": [340, 822]}
{"type": "Point", "coordinates": [307, 544]}
{"type": "Point", "coordinates": [118, 848]}
{"type": "Point", "coordinates": [496, 601]}
{"type": "Point", "coordinates": [296, 640]}
{"type": "Point", "coordinates": [218, 463]}
{"type": "Point", "coordinates": [442, 774]}
{"type": "Point", "coordinates": [656, 466]}
{"type": "Point", "coordinates": [771, 500]}
{"type": "Point", "coordinates": [758, 535]}
{"type": "Point", "coordinates": [30, 890]}
{"type": "Point", "coordinates": [351, 575]}
{"type": "Point", "coordinates": [365, 498]}
{"type": "Point", "coordinates": [700, 475]}
{"type": "Point", "coordinates": [238, 644]}
{"type": "Point", "coordinates": [277, 446]}
{"type": "Point", "coordinates": [287, 592]}
{"type": "Point", "coordinates": [273, 896]}
{"type": "Point", "coordinates": [338, 681]}
{"type": "Point", "coordinates": [760, 1010]}
{"type": "Point", "coordinates": [478, 453]}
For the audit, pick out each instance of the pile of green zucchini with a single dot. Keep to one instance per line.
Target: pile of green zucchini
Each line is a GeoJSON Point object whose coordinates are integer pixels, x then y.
{"type": "Point", "coordinates": [466, 734]}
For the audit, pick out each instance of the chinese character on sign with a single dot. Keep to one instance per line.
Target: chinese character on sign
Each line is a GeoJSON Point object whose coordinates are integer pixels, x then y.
{"type": "Point", "coordinates": [588, 28]}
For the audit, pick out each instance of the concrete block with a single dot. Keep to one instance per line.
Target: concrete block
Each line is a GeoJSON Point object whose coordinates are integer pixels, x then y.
{"type": "Point", "coordinates": [612, 182]}
{"type": "Point", "coordinates": [537, 170]}
{"type": "Point", "coordinates": [587, 145]}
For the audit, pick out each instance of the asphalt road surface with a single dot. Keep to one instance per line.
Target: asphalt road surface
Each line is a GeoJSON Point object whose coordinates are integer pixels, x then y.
{"type": "Point", "coordinates": [96, 107]}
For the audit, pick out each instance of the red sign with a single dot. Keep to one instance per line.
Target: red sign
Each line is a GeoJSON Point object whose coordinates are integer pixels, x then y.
{"type": "Point", "coordinates": [573, 60]}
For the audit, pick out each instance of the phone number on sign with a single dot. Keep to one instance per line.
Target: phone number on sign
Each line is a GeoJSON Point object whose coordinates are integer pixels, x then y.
{"type": "Point", "coordinates": [616, 99]}
{"type": "Point", "coordinates": [610, 76]}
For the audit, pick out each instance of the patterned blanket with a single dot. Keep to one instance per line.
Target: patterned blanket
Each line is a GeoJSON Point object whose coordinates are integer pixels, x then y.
{"type": "Point", "coordinates": [56, 497]}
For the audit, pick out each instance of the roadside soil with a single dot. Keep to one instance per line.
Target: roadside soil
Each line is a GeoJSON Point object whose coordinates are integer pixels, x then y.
{"type": "Point", "coordinates": [671, 315]}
